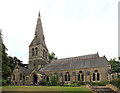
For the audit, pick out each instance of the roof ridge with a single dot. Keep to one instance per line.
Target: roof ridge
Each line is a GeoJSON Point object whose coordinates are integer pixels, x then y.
{"type": "Point", "coordinates": [75, 57]}
{"type": "Point", "coordinates": [79, 59]}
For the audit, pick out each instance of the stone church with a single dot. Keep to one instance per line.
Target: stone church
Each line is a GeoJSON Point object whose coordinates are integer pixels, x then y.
{"type": "Point", "coordinates": [86, 68]}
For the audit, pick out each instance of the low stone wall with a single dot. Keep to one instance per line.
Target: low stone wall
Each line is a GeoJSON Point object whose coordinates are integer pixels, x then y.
{"type": "Point", "coordinates": [112, 87]}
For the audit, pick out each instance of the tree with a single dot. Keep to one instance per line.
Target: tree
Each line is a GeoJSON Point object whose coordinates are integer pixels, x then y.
{"type": "Point", "coordinates": [115, 65]}
{"type": "Point", "coordinates": [6, 70]}
{"type": "Point", "coordinates": [51, 57]}
{"type": "Point", "coordinates": [53, 80]}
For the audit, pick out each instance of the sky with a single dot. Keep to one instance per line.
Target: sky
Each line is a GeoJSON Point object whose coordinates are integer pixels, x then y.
{"type": "Point", "coordinates": [71, 27]}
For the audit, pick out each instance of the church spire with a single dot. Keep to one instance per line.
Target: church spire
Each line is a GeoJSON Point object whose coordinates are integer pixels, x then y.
{"type": "Point", "coordinates": [39, 36]}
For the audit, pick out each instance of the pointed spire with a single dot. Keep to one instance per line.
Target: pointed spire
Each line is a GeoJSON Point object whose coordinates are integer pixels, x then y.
{"type": "Point", "coordinates": [39, 15]}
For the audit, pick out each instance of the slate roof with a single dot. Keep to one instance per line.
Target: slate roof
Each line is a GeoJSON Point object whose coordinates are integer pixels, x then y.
{"type": "Point", "coordinates": [25, 70]}
{"type": "Point", "coordinates": [87, 61]}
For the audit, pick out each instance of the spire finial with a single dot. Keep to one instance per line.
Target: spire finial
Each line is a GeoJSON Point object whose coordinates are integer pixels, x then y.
{"type": "Point", "coordinates": [39, 14]}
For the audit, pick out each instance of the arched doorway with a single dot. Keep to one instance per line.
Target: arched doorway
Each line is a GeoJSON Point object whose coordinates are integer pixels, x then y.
{"type": "Point", "coordinates": [35, 79]}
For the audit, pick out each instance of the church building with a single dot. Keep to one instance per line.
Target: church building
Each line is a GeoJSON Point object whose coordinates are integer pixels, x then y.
{"type": "Point", "coordinates": [86, 68]}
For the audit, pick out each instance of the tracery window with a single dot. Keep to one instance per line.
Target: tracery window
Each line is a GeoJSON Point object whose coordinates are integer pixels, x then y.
{"type": "Point", "coordinates": [67, 76]}
{"type": "Point", "coordinates": [96, 76]}
{"type": "Point", "coordinates": [80, 76]}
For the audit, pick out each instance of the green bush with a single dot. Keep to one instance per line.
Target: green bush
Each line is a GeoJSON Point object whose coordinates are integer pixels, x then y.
{"type": "Point", "coordinates": [4, 82]}
{"type": "Point", "coordinates": [115, 83]}
{"type": "Point", "coordinates": [43, 83]}
{"type": "Point", "coordinates": [98, 83]}
{"type": "Point", "coordinates": [74, 85]}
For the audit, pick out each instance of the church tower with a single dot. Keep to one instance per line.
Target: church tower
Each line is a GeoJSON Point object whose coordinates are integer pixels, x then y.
{"type": "Point", "coordinates": [38, 52]}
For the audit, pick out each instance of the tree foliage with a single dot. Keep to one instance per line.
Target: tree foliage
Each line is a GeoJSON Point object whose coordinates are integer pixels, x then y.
{"type": "Point", "coordinates": [51, 56]}
{"type": "Point", "coordinates": [115, 65]}
{"type": "Point", "coordinates": [6, 70]}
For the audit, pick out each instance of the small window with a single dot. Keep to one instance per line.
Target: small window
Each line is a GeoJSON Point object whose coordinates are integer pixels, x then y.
{"type": "Point", "coordinates": [36, 51]}
{"type": "Point", "coordinates": [32, 51]}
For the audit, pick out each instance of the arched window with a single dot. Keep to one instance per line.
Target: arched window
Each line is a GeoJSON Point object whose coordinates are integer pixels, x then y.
{"type": "Point", "coordinates": [67, 76]}
{"type": "Point", "coordinates": [80, 76]}
{"type": "Point", "coordinates": [20, 76]}
{"type": "Point", "coordinates": [32, 51]}
{"type": "Point", "coordinates": [96, 76]}
{"type": "Point", "coordinates": [36, 51]}
{"type": "Point", "coordinates": [13, 76]}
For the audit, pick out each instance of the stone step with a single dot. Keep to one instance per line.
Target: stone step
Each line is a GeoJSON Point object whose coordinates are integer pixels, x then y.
{"type": "Point", "coordinates": [103, 89]}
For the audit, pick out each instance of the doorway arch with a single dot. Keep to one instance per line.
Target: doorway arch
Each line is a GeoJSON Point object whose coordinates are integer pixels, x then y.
{"type": "Point", "coordinates": [35, 79]}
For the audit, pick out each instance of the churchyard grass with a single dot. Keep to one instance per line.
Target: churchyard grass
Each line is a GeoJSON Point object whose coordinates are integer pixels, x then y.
{"type": "Point", "coordinates": [45, 88]}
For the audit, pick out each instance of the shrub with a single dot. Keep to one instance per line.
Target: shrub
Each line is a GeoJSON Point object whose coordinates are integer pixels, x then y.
{"type": "Point", "coordinates": [43, 83]}
{"type": "Point", "coordinates": [115, 83]}
{"type": "Point", "coordinates": [4, 82]}
{"type": "Point", "coordinates": [74, 85]}
{"type": "Point", "coordinates": [98, 83]}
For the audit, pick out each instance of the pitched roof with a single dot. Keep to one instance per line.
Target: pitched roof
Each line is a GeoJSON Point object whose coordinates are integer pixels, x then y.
{"type": "Point", "coordinates": [77, 58]}
{"type": "Point", "coordinates": [77, 63]}
{"type": "Point", "coordinates": [25, 70]}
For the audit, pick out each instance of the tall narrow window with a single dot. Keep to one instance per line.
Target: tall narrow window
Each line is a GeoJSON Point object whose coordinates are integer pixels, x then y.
{"type": "Point", "coordinates": [78, 77]}
{"type": "Point", "coordinates": [98, 76]}
{"type": "Point", "coordinates": [32, 51]}
{"type": "Point", "coordinates": [69, 77]}
{"type": "Point", "coordinates": [93, 76]}
{"type": "Point", "coordinates": [82, 77]}
{"type": "Point", "coordinates": [20, 76]}
{"type": "Point", "coordinates": [65, 77]}
{"type": "Point", "coordinates": [36, 51]}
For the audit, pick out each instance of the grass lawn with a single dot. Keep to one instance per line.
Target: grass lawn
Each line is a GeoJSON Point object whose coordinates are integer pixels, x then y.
{"type": "Point", "coordinates": [45, 88]}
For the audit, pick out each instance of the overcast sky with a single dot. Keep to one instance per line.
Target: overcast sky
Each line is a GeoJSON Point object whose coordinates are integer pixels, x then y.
{"type": "Point", "coordinates": [71, 27]}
